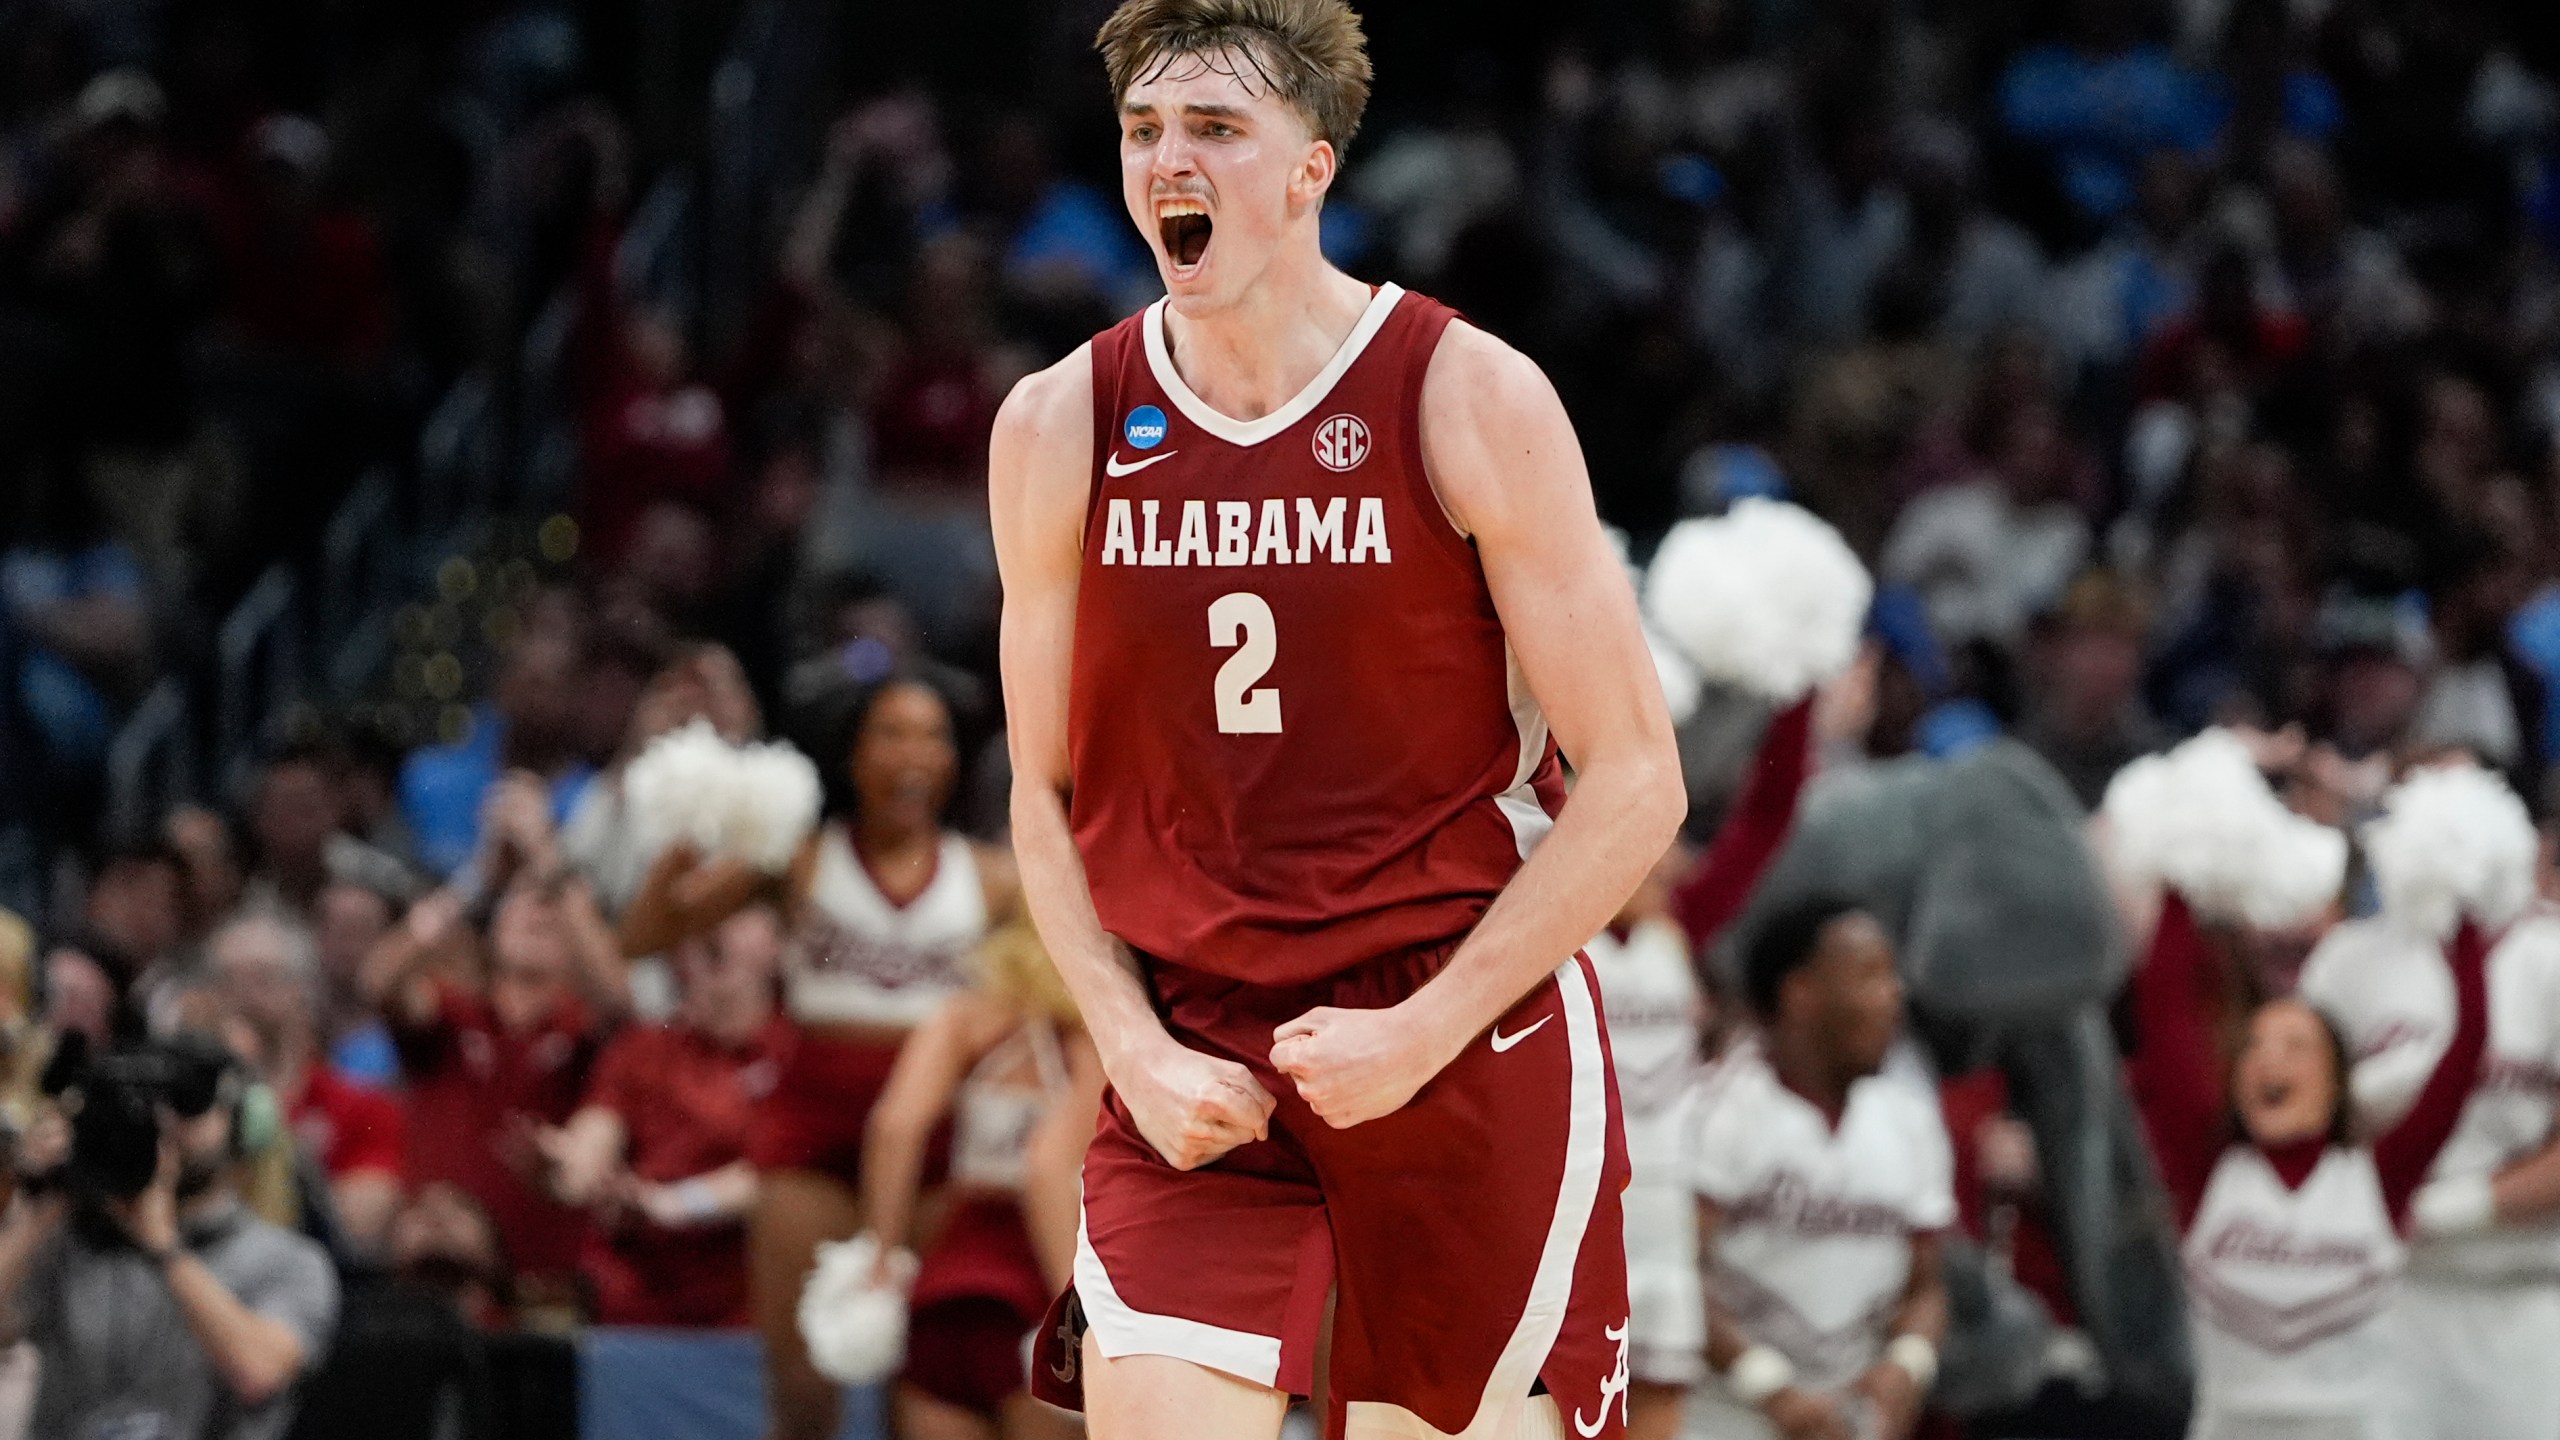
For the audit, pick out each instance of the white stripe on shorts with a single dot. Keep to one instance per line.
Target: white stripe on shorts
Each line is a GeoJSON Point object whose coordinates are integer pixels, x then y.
{"type": "Point", "coordinates": [1121, 1330]}
{"type": "Point", "coordinates": [1586, 1148]}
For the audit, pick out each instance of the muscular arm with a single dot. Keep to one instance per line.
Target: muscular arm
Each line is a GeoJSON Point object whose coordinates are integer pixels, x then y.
{"type": "Point", "coordinates": [1506, 465]}
{"type": "Point", "coordinates": [1191, 1107]}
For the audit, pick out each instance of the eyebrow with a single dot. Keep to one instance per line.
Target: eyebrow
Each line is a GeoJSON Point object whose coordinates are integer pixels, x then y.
{"type": "Point", "coordinates": [1214, 111]}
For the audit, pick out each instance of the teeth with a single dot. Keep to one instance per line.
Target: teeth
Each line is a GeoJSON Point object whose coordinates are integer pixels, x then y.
{"type": "Point", "coordinates": [1168, 208]}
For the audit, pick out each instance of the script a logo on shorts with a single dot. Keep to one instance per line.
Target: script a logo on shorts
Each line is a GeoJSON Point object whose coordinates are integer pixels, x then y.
{"type": "Point", "coordinates": [1144, 429]}
{"type": "Point", "coordinates": [1342, 441]}
{"type": "Point", "coordinates": [1613, 1388]}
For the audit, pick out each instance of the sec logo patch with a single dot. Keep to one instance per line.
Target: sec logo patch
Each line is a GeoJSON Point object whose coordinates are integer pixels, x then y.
{"type": "Point", "coordinates": [1342, 441]}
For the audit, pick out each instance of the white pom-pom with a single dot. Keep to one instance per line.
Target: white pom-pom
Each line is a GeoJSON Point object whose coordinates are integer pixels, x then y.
{"type": "Point", "coordinates": [855, 1328]}
{"type": "Point", "coordinates": [753, 803]}
{"type": "Point", "coordinates": [2452, 843]}
{"type": "Point", "coordinates": [666, 788]}
{"type": "Point", "coordinates": [2201, 820]}
{"type": "Point", "coordinates": [770, 806]}
{"type": "Point", "coordinates": [1767, 597]}
{"type": "Point", "coordinates": [1680, 679]}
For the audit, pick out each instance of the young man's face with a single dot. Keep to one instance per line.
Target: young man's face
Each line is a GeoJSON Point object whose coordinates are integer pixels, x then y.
{"type": "Point", "coordinates": [1216, 171]}
{"type": "Point", "coordinates": [1851, 993]}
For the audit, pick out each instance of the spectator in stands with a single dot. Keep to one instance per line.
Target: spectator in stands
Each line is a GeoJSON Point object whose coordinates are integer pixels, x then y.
{"type": "Point", "coordinates": [492, 1051]}
{"type": "Point", "coordinates": [137, 915]}
{"type": "Point", "coordinates": [293, 815]}
{"type": "Point", "coordinates": [1823, 1186]}
{"type": "Point", "coordinates": [266, 967]}
{"type": "Point", "coordinates": [443, 1243]}
{"type": "Point", "coordinates": [300, 277]}
{"type": "Point", "coordinates": [529, 725]}
{"type": "Point", "coordinates": [347, 923]}
{"type": "Point", "coordinates": [204, 840]}
{"type": "Point", "coordinates": [2084, 710]}
{"type": "Point", "coordinates": [657, 1153]}
{"type": "Point", "coordinates": [74, 602]}
{"type": "Point", "coordinates": [174, 1312]}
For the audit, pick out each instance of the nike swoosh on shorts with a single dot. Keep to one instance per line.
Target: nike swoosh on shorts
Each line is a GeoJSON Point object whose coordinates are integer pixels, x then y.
{"type": "Point", "coordinates": [1502, 1042]}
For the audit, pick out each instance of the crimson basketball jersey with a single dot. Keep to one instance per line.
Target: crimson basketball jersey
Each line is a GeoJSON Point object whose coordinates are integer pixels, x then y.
{"type": "Point", "coordinates": [1297, 737]}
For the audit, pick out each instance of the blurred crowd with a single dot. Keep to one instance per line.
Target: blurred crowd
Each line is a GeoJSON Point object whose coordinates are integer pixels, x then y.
{"type": "Point", "coordinates": [2171, 363]}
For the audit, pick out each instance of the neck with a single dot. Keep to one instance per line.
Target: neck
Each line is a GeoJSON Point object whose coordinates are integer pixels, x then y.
{"type": "Point", "coordinates": [1801, 1068]}
{"type": "Point", "coordinates": [1252, 357]}
{"type": "Point", "coordinates": [886, 835]}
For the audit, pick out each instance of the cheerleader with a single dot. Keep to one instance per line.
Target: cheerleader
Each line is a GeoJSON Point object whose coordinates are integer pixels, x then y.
{"type": "Point", "coordinates": [2292, 1222]}
{"type": "Point", "coordinates": [886, 907]}
{"type": "Point", "coordinates": [2478, 1320]}
{"type": "Point", "coordinates": [1008, 1065]}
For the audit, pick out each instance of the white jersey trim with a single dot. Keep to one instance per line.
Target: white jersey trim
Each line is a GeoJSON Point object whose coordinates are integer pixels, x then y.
{"type": "Point", "coordinates": [1519, 804]}
{"type": "Point", "coordinates": [1253, 432]}
{"type": "Point", "coordinates": [1121, 1330]}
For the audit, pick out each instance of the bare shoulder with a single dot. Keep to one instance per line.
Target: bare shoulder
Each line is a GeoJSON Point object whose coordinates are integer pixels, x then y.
{"type": "Point", "coordinates": [1474, 374]}
{"type": "Point", "coordinates": [1043, 437]}
{"type": "Point", "coordinates": [1495, 438]}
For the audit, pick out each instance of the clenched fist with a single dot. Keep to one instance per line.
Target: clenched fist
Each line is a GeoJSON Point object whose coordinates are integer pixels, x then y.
{"type": "Point", "coordinates": [1354, 1065]}
{"type": "Point", "coordinates": [1193, 1107]}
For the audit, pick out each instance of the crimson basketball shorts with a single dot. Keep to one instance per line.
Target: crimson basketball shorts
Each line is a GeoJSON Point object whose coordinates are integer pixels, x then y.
{"type": "Point", "coordinates": [1472, 1239]}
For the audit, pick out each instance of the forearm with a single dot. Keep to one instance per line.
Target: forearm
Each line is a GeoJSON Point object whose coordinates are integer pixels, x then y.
{"type": "Point", "coordinates": [892, 1175]}
{"type": "Point", "coordinates": [1099, 970]}
{"type": "Point", "coordinates": [256, 1357]}
{"type": "Point", "coordinates": [1614, 828]}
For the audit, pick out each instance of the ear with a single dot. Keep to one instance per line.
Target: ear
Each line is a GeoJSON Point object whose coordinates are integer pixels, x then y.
{"type": "Point", "coordinates": [1315, 174]}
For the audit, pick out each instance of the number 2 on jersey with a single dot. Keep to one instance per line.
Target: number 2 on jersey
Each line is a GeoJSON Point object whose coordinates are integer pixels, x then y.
{"type": "Point", "coordinates": [1242, 622]}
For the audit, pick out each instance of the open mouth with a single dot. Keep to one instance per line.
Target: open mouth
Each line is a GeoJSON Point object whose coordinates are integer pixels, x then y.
{"type": "Point", "coordinates": [1183, 225]}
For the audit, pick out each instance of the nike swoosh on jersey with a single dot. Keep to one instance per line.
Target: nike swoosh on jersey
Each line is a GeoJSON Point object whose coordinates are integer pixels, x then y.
{"type": "Point", "coordinates": [1502, 1042]}
{"type": "Point", "coordinates": [1113, 468]}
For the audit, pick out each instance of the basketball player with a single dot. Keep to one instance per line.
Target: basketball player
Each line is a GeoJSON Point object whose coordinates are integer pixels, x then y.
{"type": "Point", "coordinates": [1822, 1189]}
{"type": "Point", "coordinates": [1304, 592]}
{"type": "Point", "coordinates": [2479, 1316]}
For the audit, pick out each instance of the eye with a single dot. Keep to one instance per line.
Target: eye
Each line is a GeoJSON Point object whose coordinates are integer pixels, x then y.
{"type": "Point", "coordinates": [1142, 134]}
{"type": "Point", "coordinates": [1220, 130]}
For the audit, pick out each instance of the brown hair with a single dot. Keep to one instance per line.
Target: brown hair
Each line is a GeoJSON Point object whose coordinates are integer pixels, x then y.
{"type": "Point", "coordinates": [1311, 53]}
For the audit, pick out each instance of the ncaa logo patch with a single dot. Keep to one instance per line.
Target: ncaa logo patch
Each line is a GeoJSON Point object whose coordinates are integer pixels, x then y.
{"type": "Point", "coordinates": [1145, 428]}
{"type": "Point", "coordinates": [1342, 441]}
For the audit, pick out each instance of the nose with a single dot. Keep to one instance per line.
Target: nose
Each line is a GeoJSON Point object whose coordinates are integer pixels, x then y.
{"type": "Point", "coordinates": [1175, 156]}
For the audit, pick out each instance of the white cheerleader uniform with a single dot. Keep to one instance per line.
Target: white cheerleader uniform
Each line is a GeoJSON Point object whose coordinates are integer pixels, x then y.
{"type": "Point", "coordinates": [866, 961]}
{"type": "Point", "coordinates": [1650, 996]}
{"type": "Point", "coordinates": [1814, 1254]}
{"type": "Point", "coordinates": [2285, 1293]}
{"type": "Point", "coordinates": [2476, 1324]}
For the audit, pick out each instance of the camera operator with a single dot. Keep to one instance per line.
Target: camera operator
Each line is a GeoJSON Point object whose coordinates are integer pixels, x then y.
{"type": "Point", "coordinates": [161, 1308]}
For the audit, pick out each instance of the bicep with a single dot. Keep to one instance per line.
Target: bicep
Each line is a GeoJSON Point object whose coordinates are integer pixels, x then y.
{"type": "Point", "coordinates": [1502, 455]}
{"type": "Point", "coordinates": [1039, 481]}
